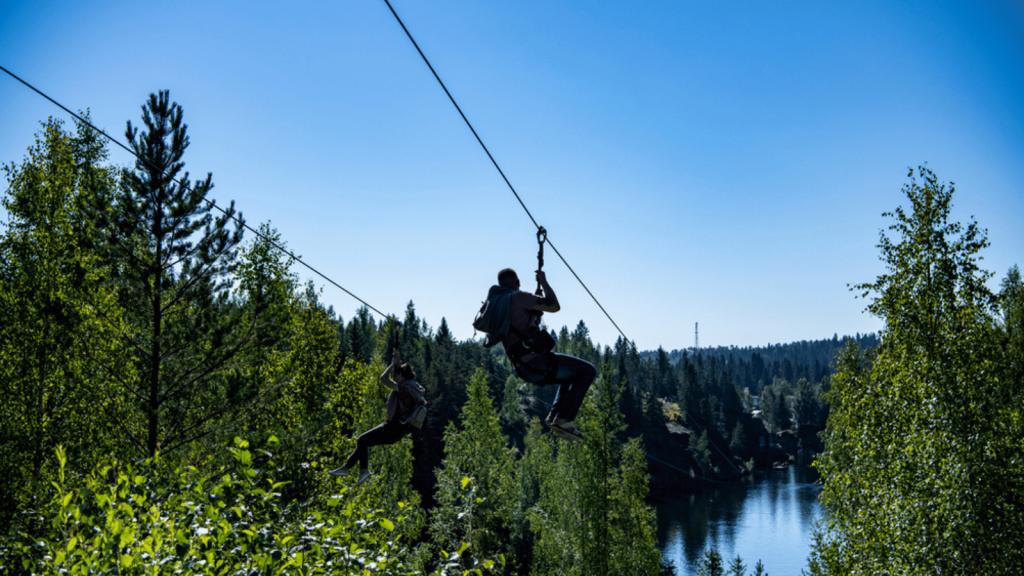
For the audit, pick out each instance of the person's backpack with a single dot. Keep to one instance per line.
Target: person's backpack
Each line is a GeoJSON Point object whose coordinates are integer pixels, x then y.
{"type": "Point", "coordinates": [494, 319]}
{"type": "Point", "coordinates": [418, 416]}
{"type": "Point", "coordinates": [494, 316]}
{"type": "Point", "coordinates": [418, 413]}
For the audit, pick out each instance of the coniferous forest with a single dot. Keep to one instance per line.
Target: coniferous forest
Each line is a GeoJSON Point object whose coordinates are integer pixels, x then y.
{"type": "Point", "coordinates": [172, 393]}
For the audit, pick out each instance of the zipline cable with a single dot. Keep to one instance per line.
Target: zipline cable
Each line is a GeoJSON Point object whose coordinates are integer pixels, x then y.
{"type": "Point", "coordinates": [466, 120]}
{"type": "Point", "coordinates": [500, 171]}
{"type": "Point", "coordinates": [189, 188]}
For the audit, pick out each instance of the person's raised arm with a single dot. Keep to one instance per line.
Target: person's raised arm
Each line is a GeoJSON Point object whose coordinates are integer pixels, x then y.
{"type": "Point", "coordinates": [385, 378]}
{"type": "Point", "coordinates": [549, 303]}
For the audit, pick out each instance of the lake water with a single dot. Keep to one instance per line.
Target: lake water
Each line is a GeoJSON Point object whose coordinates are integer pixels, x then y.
{"type": "Point", "coordinates": [770, 519]}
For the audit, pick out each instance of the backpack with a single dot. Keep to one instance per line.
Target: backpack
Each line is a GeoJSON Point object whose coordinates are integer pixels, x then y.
{"type": "Point", "coordinates": [494, 319]}
{"type": "Point", "coordinates": [494, 315]}
{"type": "Point", "coordinates": [417, 414]}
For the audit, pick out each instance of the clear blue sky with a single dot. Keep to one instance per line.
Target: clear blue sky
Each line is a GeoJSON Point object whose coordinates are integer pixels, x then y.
{"type": "Point", "coordinates": [720, 163]}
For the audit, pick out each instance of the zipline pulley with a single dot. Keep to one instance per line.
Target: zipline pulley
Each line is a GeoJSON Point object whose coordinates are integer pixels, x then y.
{"type": "Point", "coordinates": [542, 236]}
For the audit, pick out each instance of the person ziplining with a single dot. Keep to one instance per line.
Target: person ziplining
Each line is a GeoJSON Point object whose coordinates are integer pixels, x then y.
{"type": "Point", "coordinates": [512, 316]}
{"type": "Point", "coordinates": [406, 411]}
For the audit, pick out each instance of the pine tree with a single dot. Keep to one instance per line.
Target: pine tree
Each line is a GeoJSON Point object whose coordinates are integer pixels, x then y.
{"type": "Point", "coordinates": [174, 260]}
{"type": "Point", "coordinates": [410, 344]}
{"type": "Point", "coordinates": [477, 481]}
{"type": "Point", "coordinates": [362, 336]}
{"type": "Point", "coordinates": [1011, 305]}
{"type": "Point", "coordinates": [667, 382]}
{"type": "Point", "coordinates": [511, 412]}
{"type": "Point", "coordinates": [711, 564]}
{"type": "Point", "coordinates": [444, 335]}
{"type": "Point", "coordinates": [700, 446]}
{"type": "Point", "coordinates": [690, 393]}
{"type": "Point", "coordinates": [736, 567]}
{"type": "Point", "coordinates": [806, 404]}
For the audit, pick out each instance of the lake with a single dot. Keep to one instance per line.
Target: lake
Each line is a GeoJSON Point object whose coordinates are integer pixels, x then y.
{"type": "Point", "coordinates": [770, 519]}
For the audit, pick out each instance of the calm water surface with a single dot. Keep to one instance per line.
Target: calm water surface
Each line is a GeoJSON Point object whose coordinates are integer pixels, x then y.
{"type": "Point", "coordinates": [770, 519]}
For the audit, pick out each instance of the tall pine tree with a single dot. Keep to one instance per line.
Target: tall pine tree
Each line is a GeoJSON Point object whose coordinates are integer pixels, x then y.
{"type": "Point", "coordinates": [173, 260]}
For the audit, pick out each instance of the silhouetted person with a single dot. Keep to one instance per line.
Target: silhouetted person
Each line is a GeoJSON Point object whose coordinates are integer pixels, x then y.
{"type": "Point", "coordinates": [528, 347]}
{"type": "Point", "coordinates": [405, 396]}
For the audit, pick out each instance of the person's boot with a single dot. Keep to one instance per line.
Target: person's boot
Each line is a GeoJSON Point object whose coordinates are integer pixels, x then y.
{"type": "Point", "coordinates": [563, 427]}
{"type": "Point", "coordinates": [342, 471]}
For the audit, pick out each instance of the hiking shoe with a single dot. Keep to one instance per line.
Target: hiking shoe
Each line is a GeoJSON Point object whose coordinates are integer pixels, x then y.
{"type": "Point", "coordinates": [560, 430]}
{"type": "Point", "coordinates": [559, 434]}
{"type": "Point", "coordinates": [568, 428]}
{"type": "Point", "coordinates": [343, 471]}
{"type": "Point", "coordinates": [364, 475]}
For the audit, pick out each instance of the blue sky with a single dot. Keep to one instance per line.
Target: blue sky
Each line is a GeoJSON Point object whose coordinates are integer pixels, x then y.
{"type": "Point", "coordinates": [720, 163]}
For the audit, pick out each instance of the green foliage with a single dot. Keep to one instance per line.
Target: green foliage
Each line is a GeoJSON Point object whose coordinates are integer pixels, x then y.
{"type": "Point", "coordinates": [362, 336]}
{"type": "Point", "coordinates": [313, 392]}
{"type": "Point", "coordinates": [711, 564]}
{"type": "Point", "coordinates": [924, 467]}
{"type": "Point", "coordinates": [512, 414]}
{"type": "Point", "coordinates": [143, 519]}
{"type": "Point", "coordinates": [134, 323]}
{"type": "Point", "coordinates": [529, 474]}
{"type": "Point", "coordinates": [474, 488]}
{"type": "Point", "coordinates": [776, 402]}
{"type": "Point", "coordinates": [737, 567]}
{"type": "Point", "coordinates": [267, 293]}
{"type": "Point", "coordinates": [672, 412]}
{"type": "Point", "coordinates": [61, 363]}
{"type": "Point", "coordinates": [701, 448]}
{"type": "Point", "coordinates": [591, 517]}
{"type": "Point", "coordinates": [291, 381]}
{"type": "Point", "coordinates": [1011, 304]}
{"type": "Point", "coordinates": [809, 409]}
{"type": "Point", "coordinates": [738, 441]}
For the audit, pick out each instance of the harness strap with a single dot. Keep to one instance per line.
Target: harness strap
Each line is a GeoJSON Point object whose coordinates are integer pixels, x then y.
{"type": "Point", "coordinates": [548, 376]}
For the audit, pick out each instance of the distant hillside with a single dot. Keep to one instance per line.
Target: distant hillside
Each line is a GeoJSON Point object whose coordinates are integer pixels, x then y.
{"type": "Point", "coordinates": [756, 366]}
